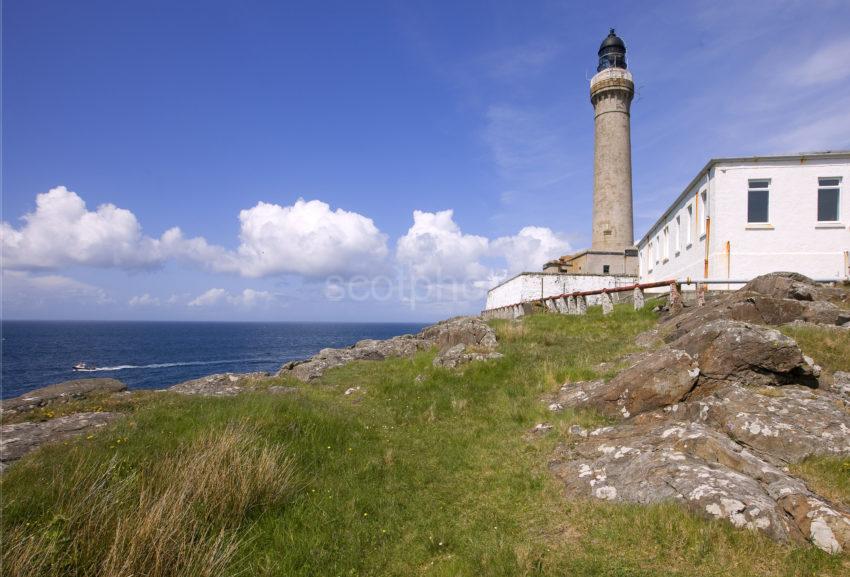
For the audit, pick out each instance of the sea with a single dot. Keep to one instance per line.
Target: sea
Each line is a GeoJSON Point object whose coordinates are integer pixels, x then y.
{"type": "Point", "coordinates": [153, 355]}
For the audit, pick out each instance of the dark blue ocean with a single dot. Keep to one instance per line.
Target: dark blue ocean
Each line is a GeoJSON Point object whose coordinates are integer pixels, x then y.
{"type": "Point", "coordinates": [160, 354]}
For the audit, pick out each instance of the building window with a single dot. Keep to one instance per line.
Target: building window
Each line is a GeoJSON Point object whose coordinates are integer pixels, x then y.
{"type": "Point", "coordinates": [703, 198]}
{"type": "Point", "coordinates": [649, 250]}
{"type": "Point", "coordinates": [678, 241]}
{"type": "Point", "coordinates": [828, 199]}
{"type": "Point", "coordinates": [757, 201]}
{"type": "Point", "coordinates": [606, 269]}
{"type": "Point", "coordinates": [666, 246]}
{"type": "Point", "coordinates": [657, 248]}
{"type": "Point", "coordinates": [688, 222]}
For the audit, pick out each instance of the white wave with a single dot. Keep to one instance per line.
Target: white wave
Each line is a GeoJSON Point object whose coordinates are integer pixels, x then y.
{"type": "Point", "coordinates": [166, 365]}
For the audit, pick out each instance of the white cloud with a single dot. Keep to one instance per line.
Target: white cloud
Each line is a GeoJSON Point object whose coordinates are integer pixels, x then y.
{"type": "Point", "coordinates": [435, 248]}
{"type": "Point", "coordinates": [62, 231]}
{"type": "Point", "coordinates": [145, 300]}
{"type": "Point", "coordinates": [209, 298]}
{"type": "Point", "coordinates": [307, 238]}
{"type": "Point", "coordinates": [23, 290]}
{"type": "Point", "coordinates": [248, 298]}
{"type": "Point", "coordinates": [826, 65]}
{"type": "Point", "coordinates": [530, 249]}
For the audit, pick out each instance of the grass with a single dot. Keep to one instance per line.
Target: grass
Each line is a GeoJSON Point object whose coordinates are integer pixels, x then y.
{"type": "Point", "coordinates": [829, 476]}
{"type": "Point", "coordinates": [829, 348]}
{"type": "Point", "coordinates": [424, 471]}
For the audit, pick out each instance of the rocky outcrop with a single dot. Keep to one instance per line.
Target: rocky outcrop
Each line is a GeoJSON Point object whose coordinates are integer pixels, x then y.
{"type": "Point", "coordinates": [61, 393]}
{"type": "Point", "coordinates": [220, 385]}
{"type": "Point", "coordinates": [471, 332]}
{"type": "Point", "coordinates": [708, 472]}
{"type": "Point", "coordinates": [713, 418]}
{"type": "Point", "coordinates": [461, 354]}
{"type": "Point", "coordinates": [18, 439]}
{"type": "Point", "coordinates": [773, 299]}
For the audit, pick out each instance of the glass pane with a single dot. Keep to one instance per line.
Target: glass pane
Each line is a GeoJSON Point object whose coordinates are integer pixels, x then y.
{"type": "Point", "coordinates": [757, 206]}
{"type": "Point", "coordinates": [828, 181]}
{"type": "Point", "coordinates": [828, 204]}
{"type": "Point", "coordinates": [759, 183]}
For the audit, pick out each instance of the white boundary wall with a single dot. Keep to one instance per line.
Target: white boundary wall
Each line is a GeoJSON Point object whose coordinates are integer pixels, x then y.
{"type": "Point", "coordinates": [529, 286]}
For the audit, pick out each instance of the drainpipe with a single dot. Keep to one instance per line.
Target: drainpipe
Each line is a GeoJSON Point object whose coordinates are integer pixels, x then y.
{"type": "Point", "coordinates": [707, 221]}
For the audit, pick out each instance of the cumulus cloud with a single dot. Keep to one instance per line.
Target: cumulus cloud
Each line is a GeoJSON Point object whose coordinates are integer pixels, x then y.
{"type": "Point", "coordinates": [248, 298]}
{"type": "Point", "coordinates": [307, 238]}
{"type": "Point", "coordinates": [437, 249]}
{"type": "Point", "coordinates": [530, 249]}
{"type": "Point", "coordinates": [62, 231]}
{"type": "Point", "coordinates": [145, 300]}
{"type": "Point", "coordinates": [434, 247]}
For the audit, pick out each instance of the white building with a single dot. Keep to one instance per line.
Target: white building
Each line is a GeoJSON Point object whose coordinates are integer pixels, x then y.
{"type": "Point", "coordinates": [742, 217]}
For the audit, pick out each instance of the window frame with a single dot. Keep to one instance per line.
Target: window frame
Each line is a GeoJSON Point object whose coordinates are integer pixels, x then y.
{"type": "Point", "coordinates": [689, 236]}
{"type": "Point", "coordinates": [752, 186]}
{"type": "Point", "coordinates": [837, 188]}
{"type": "Point", "coordinates": [678, 241]}
{"type": "Point", "coordinates": [703, 201]}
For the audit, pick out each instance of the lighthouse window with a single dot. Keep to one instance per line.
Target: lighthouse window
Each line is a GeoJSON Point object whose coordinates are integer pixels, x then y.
{"type": "Point", "coordinates": [828, 199]}
{"type": "Point", "coordinates": [758, 197]}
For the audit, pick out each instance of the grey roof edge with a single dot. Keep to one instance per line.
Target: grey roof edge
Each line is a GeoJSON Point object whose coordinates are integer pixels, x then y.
{"type": "Point", "coordinates": [715, 161]}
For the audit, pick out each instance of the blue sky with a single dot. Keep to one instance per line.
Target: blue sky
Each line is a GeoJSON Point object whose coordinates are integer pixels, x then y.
{"type": "Point", "coordinates": [308, 153]}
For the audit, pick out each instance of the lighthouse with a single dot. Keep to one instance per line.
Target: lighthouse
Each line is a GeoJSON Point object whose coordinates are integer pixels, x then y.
{"type": "Point", "coordinates": [612, 249]}
{"type": "Point", "coordinates": [611, 93]}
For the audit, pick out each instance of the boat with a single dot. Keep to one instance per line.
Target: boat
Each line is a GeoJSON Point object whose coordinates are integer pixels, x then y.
{"type": "Point", "coordinates": [84, 367]}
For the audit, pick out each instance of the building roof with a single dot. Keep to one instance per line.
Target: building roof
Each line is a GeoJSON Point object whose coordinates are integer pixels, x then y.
{"type": "Point", "coordinates": [730, 160]}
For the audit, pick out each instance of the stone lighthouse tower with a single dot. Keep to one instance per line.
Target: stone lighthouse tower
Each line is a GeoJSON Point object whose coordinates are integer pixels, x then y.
{"type": "Point", "coordinates": [611, 93]}
{"type": "Point", "coordinates": [612, 250]}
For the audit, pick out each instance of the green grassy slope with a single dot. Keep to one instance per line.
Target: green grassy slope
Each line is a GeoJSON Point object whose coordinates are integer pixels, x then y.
{"type": "Point", "coordinates": [423, 471]}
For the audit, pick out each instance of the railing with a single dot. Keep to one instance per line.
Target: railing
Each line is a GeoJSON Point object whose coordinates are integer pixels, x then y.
{"type": "Point", "coordinates": [576, 302]}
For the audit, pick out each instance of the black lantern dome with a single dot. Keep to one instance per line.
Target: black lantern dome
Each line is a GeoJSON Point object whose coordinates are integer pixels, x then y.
{"type": "Point", "coordinates": [612, 52]}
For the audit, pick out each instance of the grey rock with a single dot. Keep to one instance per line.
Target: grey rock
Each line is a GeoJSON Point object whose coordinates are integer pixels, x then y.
{"type": "Point", "coordinates": [714, 418]}
{"type": "Point", "coordinates": [18, 439]}
{"type": "Point", "coordinates": [541, 428]}
{"type": "Point", "coordinates": [736, 351]}
{"type": "Point", "coordinates": [220, 385]}
{"type": "Point", "coordinates": [459, 355]}
{"type": "Point", "coordinates": [774, 299]}
{"type": "Point", "coordinates": [841, 383]}
{"type": "Point", "coordinates": [663, 378]}
{"type": "Point", "coordinates": [472, 332]}
{"type": "Point", "coordinates": [707, 472]}
{"type": "Point", "coordinates": [61, 393]}
{"type": "Point", "coordinates": [280, 390]}
{"type": "Point", "coordinates": [784, 424]}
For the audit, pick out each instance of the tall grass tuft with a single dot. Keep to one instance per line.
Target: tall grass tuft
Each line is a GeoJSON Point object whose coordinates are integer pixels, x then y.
{"type": "Point", "coordinates": [180, 515]}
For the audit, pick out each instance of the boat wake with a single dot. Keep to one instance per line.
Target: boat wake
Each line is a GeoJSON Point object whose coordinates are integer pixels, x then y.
{"type": "Point", "coordinates": [166, 365]}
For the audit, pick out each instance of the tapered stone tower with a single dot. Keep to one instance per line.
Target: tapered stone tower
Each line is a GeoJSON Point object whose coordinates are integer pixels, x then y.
{"type": "Point", "coordinates": [611, 93]}
{"type": "Point", "coordinates": [612, 250]}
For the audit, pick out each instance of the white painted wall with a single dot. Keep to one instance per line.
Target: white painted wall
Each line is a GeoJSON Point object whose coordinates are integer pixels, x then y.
{"type": "Point", "coordinates": [530, 286]}
{"type": "Point", "coordinates": [792, 241]}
